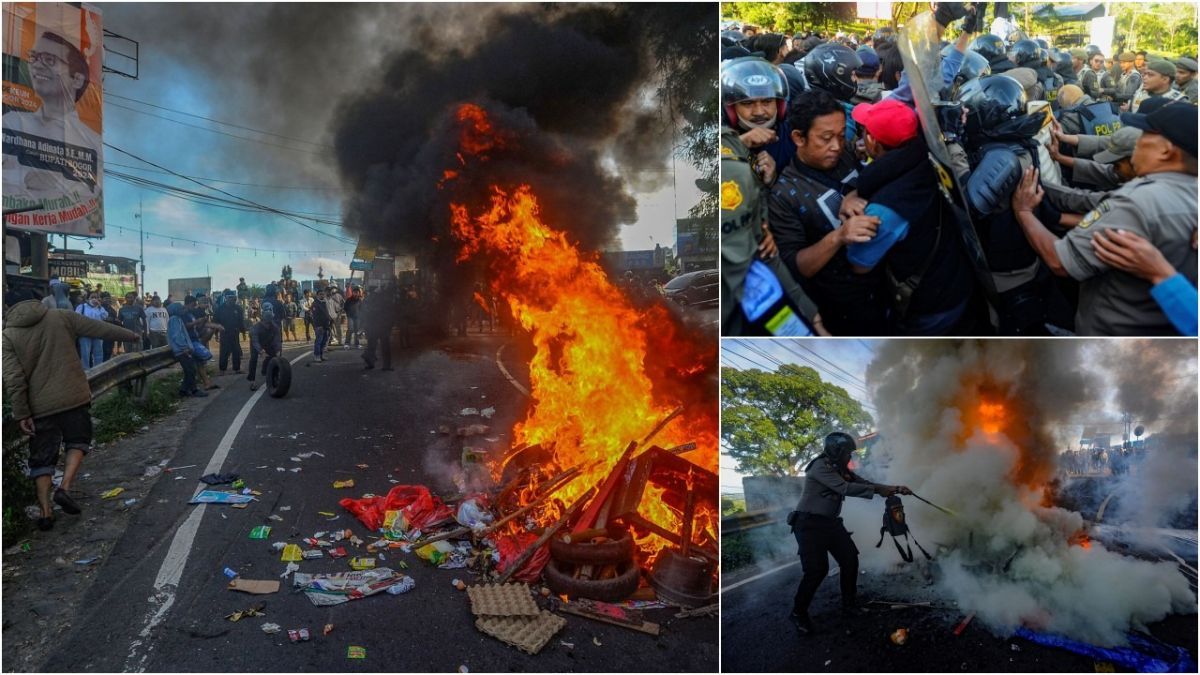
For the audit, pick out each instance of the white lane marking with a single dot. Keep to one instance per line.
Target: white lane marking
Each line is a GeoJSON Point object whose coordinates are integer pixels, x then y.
{"type": "Point", "coordinates": [171, 570]}
{"type": "Point", "coordinates": [756, 577]}
{"type": "Point", "coordinates": [504, 371]}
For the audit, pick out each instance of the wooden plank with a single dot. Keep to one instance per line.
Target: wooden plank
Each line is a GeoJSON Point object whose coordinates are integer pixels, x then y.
{"type": "Point", "coordinates": [611, 614]}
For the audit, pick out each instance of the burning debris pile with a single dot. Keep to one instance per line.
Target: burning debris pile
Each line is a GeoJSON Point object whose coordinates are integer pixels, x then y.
{"type": "Point", "coordinates": [972, 426]}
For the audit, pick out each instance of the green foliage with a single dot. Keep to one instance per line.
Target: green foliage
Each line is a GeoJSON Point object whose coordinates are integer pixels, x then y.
{"type": "Point", "coordinates": [117, 414]}
{"type": "Point", "coordinates": [735, 552]}
{"type": "Point", "coordinates": [730, 506]}
{"type": "Point", "coordinates": [789, 17]}
{"type": "Point", "coordinates": [774, 423]}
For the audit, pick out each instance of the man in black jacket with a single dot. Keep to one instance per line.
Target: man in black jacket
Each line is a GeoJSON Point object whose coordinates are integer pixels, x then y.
{"type": "Point", "coordinates": [381, 317]}
{"type": "Point", "coordinates": [233, 319]}
{"type": "Point", "coordinates": [814, 214]}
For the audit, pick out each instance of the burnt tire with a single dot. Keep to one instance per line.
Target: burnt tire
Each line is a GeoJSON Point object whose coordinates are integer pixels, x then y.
{"type": "Point", "coordinates": [559, 579]}
{"type": "Point", "coordinates": [279, 377]}
{"type": "Point", "coordinates": [618, 549]}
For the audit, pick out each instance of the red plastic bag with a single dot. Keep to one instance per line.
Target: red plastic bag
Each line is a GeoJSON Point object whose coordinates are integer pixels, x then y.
{"type": "Point", "coordinates": [511, 546]}
{"type": "Point", "coordinates": [420, 508]}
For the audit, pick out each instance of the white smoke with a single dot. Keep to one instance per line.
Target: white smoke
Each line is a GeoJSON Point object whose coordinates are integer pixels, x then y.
{"type": "Point", "coordinates": [1008, 555]}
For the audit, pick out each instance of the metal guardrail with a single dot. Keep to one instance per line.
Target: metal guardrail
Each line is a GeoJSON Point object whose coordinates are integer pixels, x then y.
{"type": "Point", "coordinates": [744, 522]}
{"type": "Point", "coordinates": [128, 368]}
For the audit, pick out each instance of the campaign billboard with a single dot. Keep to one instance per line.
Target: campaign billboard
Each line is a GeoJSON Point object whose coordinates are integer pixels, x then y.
{"type": "Point", "coordinates": [52, 122]}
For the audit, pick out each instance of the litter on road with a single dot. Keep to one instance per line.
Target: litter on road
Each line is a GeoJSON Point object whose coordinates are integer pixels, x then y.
{"type": "Point", "coordinates": [257, 610]}
{"type": "Point", "coordinates": [335, 589]}
{"type": "Point", "coordinates": [254, 586]}
{"type": "Point", "coordinates": [109, 494]}
{"type": "Point", "coordinates": [218, 497]}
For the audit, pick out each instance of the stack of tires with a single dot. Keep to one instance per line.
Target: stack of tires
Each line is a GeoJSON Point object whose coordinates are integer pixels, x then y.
{"type": "Point", "coordinates": [593, 564]}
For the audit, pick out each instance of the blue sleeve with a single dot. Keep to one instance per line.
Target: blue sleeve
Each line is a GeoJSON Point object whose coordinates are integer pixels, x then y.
{"type": "Point", "coordinates": [892, 228]}
{"type": "Point", "coordinates": [950, 66]}
{"type": "Point", "coordinates": [1177, 297]}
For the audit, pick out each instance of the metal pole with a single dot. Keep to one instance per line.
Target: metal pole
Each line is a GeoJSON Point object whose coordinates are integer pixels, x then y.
{"type": "Point", "coordinates": [141, 250]}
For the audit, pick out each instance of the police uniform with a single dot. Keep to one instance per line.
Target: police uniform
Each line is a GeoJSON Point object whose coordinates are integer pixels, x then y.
{"type": "Point", "coordinates": [1096, 83]}
{"type": "Point", "coordinates": [758, 297]}
{"type": "Point", "coordinates": [819, 530]}
{"type": "Point", "coordinates": [1160, 207]}
{"type": "Point", "coordinates": [1141, 95]}
{"type": "Point", "coordinates": [1127, 86]}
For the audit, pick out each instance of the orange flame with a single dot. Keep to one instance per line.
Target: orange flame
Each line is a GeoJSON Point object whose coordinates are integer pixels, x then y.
{"type": "Point", "coordinates": [593, 389]}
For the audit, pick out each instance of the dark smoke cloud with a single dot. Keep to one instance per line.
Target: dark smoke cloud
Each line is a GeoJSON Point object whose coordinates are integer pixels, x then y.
{"type": "Point", "coordinates": [567, 81]}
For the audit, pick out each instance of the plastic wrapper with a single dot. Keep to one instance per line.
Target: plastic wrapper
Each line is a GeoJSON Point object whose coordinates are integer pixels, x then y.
{"type": "Point", "coordinates": [471, 514]}
{"type": "Point", "coordinates": [418, 506]}
{"type": "Point", "coordinates": [511, 546]}
{"type": "Point", "coordinates": [334, 589]}
{"type": "Point", "coordinates": [1143, 655]}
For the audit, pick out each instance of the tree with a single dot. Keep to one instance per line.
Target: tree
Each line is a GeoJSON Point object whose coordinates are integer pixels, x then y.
{"type": "Point", "coordinates": [774, 423]}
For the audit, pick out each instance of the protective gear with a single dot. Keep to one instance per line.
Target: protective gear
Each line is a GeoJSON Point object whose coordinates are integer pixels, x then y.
{"type": "Point", "coordinates": [995, 102]}
{"type": "Point", "coordinates": [795, 79]}
{"type": "Point", "coordinates": [1099, 119]}
{"type": "Point", "coordinates": [1025, 54]}
{"type": "Point", "coordinates": [831, 67]}
{"type": "Point", "coordinates": [991, 184]}
{"type": "Point", "coordinates": [748, 78]}
{"type": "Point", "coordinates": [974, 66]}
{"type": "Point", "coordinates": [989, 47]}
{"type": "Point", "coordinates": [1093, 50]}
{"type": "Point", "coordinates": [731, 38]}
{"type": "Point", "coordinates": [839, 446]}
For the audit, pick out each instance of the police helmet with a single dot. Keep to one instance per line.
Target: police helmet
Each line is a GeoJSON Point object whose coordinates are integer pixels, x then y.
{"type": "Point", "coordinates": [1042, 43]}
{"type": "Point", "coordinates": [884, 34]}
{"type": "Point", "coordinates": [748, 78]}
{"type": "Point", "coordinates": [831, 67]}
{"type": "Point", "coordinates": [1026, 54]}
{"type": "Point", "coordinates": [974, 66]}
{"type": "Point", "coordinates": [730, 38]}
{"type": "Point", "coordinates": [795, 79]}
{"type": "Point", "coordinates": [989, 47]}
{"type": "Point", "coordinates": [1093, 50]}
{"type": "Point", "coordinates": [839, 446]}
{"type": "Point", "coordinates": [992, 101]}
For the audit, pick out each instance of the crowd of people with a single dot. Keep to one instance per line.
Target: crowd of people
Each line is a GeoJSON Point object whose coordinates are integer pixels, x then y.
{"type": "Point", "coordinates": [1063, 200]}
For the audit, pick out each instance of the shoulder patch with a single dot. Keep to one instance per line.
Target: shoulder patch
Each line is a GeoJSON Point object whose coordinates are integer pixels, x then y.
{"type": "Point", "coordinates": [731, 196]}
{"type": "Point", "coordinates": [726, 151]}
{"type": "Point", "coordinates": [1095, 214]}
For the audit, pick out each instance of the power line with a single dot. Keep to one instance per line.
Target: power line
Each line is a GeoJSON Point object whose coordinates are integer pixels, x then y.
{"type": "Point", "coordinates": [215, 131]}
{"type": "Point", "coordinates": [230, 194]}
{"type": "Point", "coordinates": [207, 200]}
{"type": "Point", "coordinates": [227, 182]}
{"type": "Point", "coordinates": [209, 119]}
{"type": "Point", "coordinates": [778, 363]}
{"type": "Point", "coordinates": [218, 246]}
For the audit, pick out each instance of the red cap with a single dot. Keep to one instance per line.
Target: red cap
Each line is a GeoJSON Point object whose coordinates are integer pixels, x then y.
{"type": "Point", "coordinates": [890, 121]}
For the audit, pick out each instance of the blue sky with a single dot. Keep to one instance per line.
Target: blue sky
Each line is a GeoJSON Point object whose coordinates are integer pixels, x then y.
{"type": "Point", "coordinates": [227, 62]}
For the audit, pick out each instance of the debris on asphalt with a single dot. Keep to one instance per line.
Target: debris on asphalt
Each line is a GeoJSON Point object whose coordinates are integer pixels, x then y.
{"type": "Point", "coordinates": [339, 552]}
{"type": "Point", "coordinates": [254, 586]}
{"type": "Point", "coordinates": [238, 484]}
{"type": "Point", "coordinates": [596, 641]}
{"type": "Point", "coordinates": [335, 589]}
{"type": "Point", "coordinates": [298, 635]}
{"type": "Point", "coordinates": [291, 567]}
{"type": "Point", "coordinates": [962, 625]}
{"type": "Point", "coordinates": [313, 554]}
{"type": "Point", "coordinates": [109, 494]}
{"type": "Point", "coordinates": [362, 563]}
{"type": "Point", "coordinates": [256, 610]}
{"type": "Point", "coordinates": [271, 628]}
{"type": "Point", "coordinates": [527, 633]}
{"type": "Point", "coordinates": [152, 471]}
{"type": "Point", "coordinates": [129, 502]}
{"type": "Point", "coordinates": [291, 553]}
{"type": "Point", "coordinates": [339, 484]}
{"type": "Point", "coordinates": [229, 572]}
{"type": "Point", "coordinates": [218, 497]}
{"type": "Point", "coordinates": [899, 636]}
{"type": "Point", "coordinates": [356, 652]}
{"type": "Point", "coordinates": [458, 583]}
{"type": "Point", "coordinates": [605, 612]}
{"type": "Point", "coordinates": [473, 430]}
{"type": "Point", "coordinates": [260, 532]}
{"type": "Point", "coordinates": [327, 629]}
{"type": "Point", "coordinates": [218, 478]}
{"type": "Point", "coordinates": [169, 469]}
{"type": "Point", "coordinates": [487, 413]}
{"type": "Point", "coordinates": [469, 412]}
{"type": "Point", "coordinates": [87, 561]}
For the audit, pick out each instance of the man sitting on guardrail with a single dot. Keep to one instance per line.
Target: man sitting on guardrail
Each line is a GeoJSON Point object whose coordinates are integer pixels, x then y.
{"type": "Point", "coordinates": [48, 388]}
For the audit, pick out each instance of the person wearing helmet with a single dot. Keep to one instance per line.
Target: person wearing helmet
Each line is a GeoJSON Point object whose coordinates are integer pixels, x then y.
{"type": "Point", "coordinates": [992, 48]}
{"type": "Point", "coordinates": [1064, 66]}
{"type": "Point", "coordinates": [731, 38]}
{"type": "Point", "coordinates": [758, 295]}
{"type": "Point", "coordinates": [830, 67]}
{"type": "Point", "coordinates": [818, 529]}
{"type": "Point", "coordinates": [1130, 82]}
{"type": "Point", "coordinates": [895, 80]}
{"type": "Point", "coordinates": [1000, 144]}
{"type": "Point", "coordinates": [771, 46]}
{"type": "Point", "coordinates": [754, 96]}
{"type": "Point", "coordinates": [1095, 80]}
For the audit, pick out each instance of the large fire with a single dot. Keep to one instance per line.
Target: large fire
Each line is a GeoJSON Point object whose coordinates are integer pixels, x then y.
{"type": "Point", "coordinates": [592, 388]}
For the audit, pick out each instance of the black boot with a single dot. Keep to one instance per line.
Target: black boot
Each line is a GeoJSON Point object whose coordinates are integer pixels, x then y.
{"type": "Point", "coordinates": [804, 625]}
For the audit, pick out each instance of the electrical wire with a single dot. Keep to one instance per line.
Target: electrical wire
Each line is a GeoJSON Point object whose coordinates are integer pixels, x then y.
{"type": "Point", "coordinates": [209, 119]}
{"type": "Point", "coordinates": [214, 131]}
{"type": "Point", "coordinates": [219, 246]}
{"type": "Point", "coordinates": [227, 182]}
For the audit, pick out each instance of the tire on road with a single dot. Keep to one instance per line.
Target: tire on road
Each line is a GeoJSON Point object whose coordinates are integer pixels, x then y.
{"type": "Point", "coordinates": [618, 549]}
{"type": "Point", "coordinates": [559, 579]}
{"type": "Point", "coordinates": [279, 377]}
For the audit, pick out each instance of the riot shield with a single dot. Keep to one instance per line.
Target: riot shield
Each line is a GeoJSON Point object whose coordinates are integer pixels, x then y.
{"type": "Point", "coordinates": [919, 47]}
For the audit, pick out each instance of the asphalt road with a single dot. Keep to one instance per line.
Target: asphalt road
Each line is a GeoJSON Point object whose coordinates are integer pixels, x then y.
{"type": "Point", "coordinates": [388, 421]}
{"type": "Point", "coordinates": [758, 636]}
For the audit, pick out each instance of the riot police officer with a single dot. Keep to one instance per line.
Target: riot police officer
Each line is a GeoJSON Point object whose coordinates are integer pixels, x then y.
{"type": "Point", "coordinates": [991, 48]}
{"type": "Point", "coordinates": [1094, 79]}
{"type": "Point", "coordinates": [818, 528]}
{"type": "Point", "coordinates": [758, 294]}
{"type": "Point", "coordinates": [830, 67]}
{"type": "Point", "coordinates": [1000, 145]}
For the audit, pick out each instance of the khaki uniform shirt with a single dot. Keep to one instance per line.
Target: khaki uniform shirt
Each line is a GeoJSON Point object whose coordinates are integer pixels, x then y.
{"type": "Point", "coordinates": [1160, 207]}
{"type": "Point", "coordinates": [1141, 95]}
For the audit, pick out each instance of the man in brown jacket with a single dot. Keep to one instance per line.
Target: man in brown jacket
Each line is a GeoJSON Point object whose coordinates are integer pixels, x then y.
{"type": "Point", "coordinates": [49, 392]}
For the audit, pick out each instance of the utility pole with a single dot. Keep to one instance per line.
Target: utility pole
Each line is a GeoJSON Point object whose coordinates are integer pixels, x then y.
{"type": "Point", "coordinates": [141, 250]}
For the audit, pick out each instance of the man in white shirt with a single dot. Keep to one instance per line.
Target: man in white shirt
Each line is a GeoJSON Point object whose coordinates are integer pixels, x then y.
{"type": "Point", "coordinates": [156, 322]}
